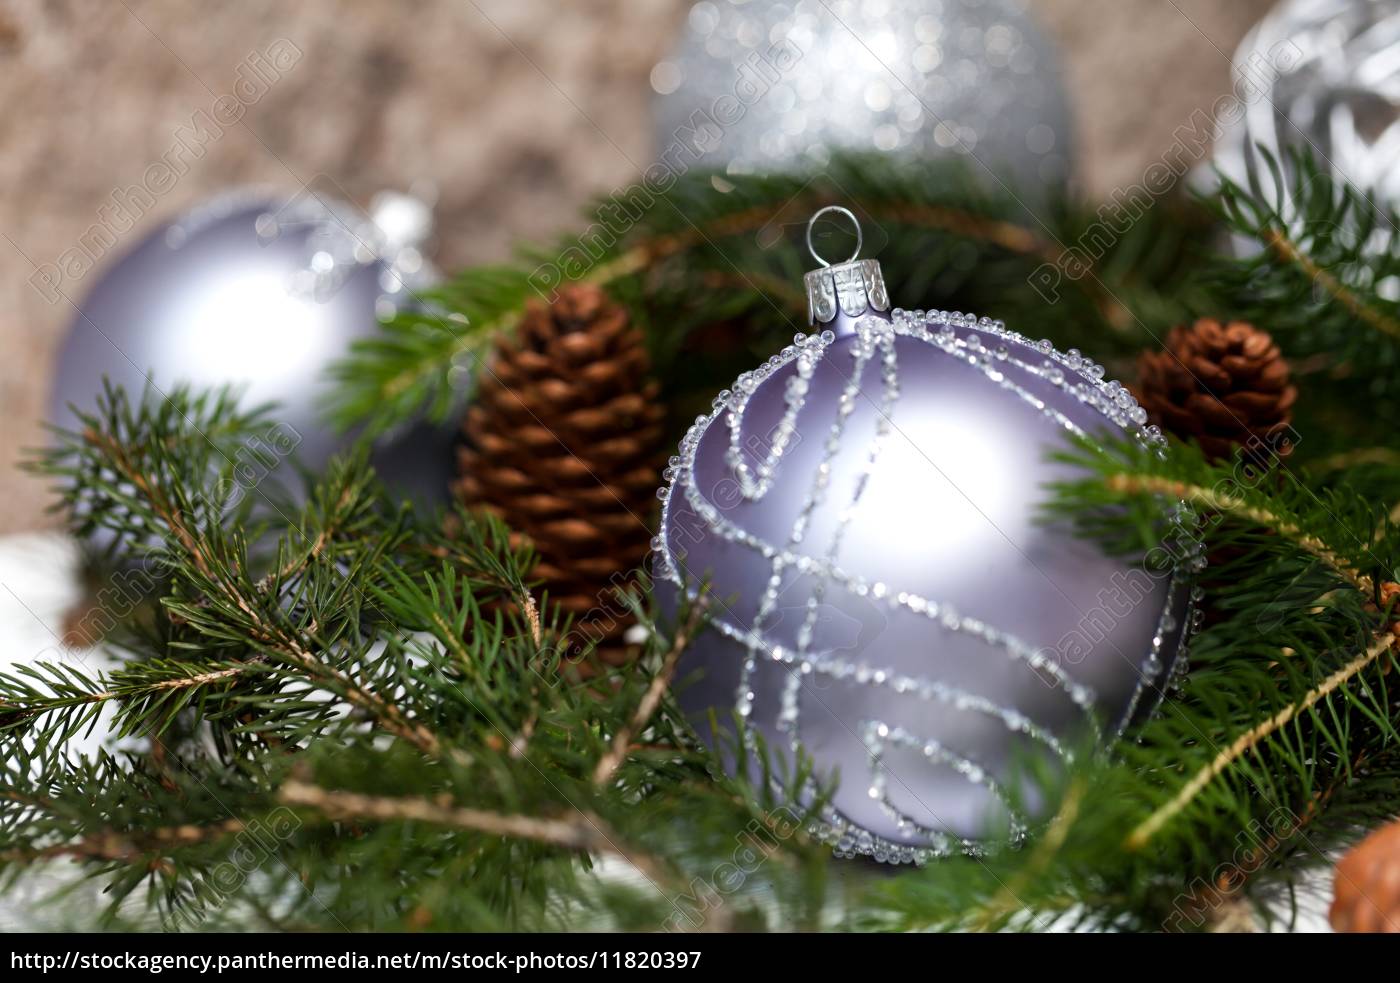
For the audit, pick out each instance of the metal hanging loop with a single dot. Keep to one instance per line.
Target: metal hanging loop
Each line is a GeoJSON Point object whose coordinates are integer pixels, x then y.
{"type": "Point", "coordinates": [812, 222]}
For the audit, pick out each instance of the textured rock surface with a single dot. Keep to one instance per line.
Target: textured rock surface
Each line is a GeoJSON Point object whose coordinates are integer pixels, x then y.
{"type": "Point", "coordinates": [517, 110]}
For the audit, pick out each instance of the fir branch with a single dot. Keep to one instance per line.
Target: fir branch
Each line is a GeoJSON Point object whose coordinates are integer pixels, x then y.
{"type": "Point", "coordinates": [1221, 502]}
{"type": "Point", "coordinates": [157, 496]}
{"type": "Point", "coordinates": [1007, 900]}
{"type": "Point", "coordinates": [61, 688]}
{"type": "Point", "coordinates": [350, 640]}
{"type": "Point", "coordinates": [1249, 740]}
{"type": "Point", "coordinates": [393, 678]}
{"type": "Point", "coordinates": [651, 699]}
{"type": "Point", "coordinates": [1234, 882]}
{"type": "Point", "coordinates": [128, 846]}
{"type": "Point", "coordinates": [579, 832]}
{"type": "Point", "coordinates": [1318, 280]}
{"type": "Point", "coordinates": [1279, 703]}
{"type": "Point", "coordinates": [937, 221]}
{"type": "Point", "coordinates": [1292, 252]}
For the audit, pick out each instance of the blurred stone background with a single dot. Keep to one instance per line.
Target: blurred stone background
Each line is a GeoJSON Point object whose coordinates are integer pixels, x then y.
{"type": "Point", "coordinates": [517, 110]}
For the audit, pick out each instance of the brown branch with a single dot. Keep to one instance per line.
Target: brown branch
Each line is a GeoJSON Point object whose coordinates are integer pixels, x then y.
{"type": "Point", "coordinates": [532, 617]}
{"type": "Point", "coordinates": [24, 798]}
{"type": "Point", "coordinates": [651, 699]}
{"type": "Point", "coordinates": [1250, 739]}
{"type": "Point", "coordinates": [1131, 484]}
{"type": "Point", "coordinates": [1005, 235]}
{"type": "Point", "coordinates": [119, 455]}
{"type": "Point", "coordinates": [199, 680]}
{"type": "Point", "coordinates": [16, 711]}
{"type": "Point", "coordinates": [577, 833]}
{"type": "Point", "coordinates": [388, 715]}
{"type": "Point", "coordinates": [1290, 252]}
{"type": "Point", "coordinates": [323, 537]}
{"type": "Point", "coordinates": [581, 831]}
{"type": "Point", "coordinates": [127, 846]}
{"type": "Point", "coordinates": [1211, 897]}
{"type": "Point", "coordinates": [782, 291]}
{"type": "Point", "coordinates": [1350, 459]}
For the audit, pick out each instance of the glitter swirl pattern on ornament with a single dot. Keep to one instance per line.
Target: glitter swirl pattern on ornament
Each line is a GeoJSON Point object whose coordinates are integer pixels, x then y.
{"type": "Point", "coordinates": [916, 79]}
{"type": "Point", "coordinates": [1321, 76]}
{"type": "Point", "coordinates": [923, 719]}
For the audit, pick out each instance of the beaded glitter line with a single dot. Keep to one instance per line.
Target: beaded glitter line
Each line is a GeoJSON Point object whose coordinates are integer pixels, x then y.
{"type": "Point", "coordinates": [1152, 666]}
{"type": "Point", "coordinates": [944, 615]}
{"type": "Point", "coordinates": [870, 332]}
{"type": "Point", "coordinates": [828, 663]}
{"type": "Point", "coordinates": [806, 347]}
{"type": "Point", "coordinates": [877, 734]}
{"type": "Point", "coordinates": [862, 353]}
{"type": "Point", "coordinates": [1080, 377]}
{"type": "Point", "coordinates": [808, 351]}
{"type": "Point", "coordinates": [1072, 360]}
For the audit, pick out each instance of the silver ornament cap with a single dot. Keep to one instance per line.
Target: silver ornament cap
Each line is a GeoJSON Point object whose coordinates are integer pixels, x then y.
{"type": "Point", "coordinates": [840, 294]}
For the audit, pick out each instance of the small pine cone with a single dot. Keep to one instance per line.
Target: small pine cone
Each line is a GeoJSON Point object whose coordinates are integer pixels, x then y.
{"type": "Point", "coordinates": [1366, 889]}
{"type": "Point", "coordinates": [563, 441]}
{"type": "Point", "coordinates": [1223, 386]}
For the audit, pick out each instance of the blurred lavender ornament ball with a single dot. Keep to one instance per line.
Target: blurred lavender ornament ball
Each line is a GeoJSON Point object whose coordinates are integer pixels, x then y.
{"type": "Point", "coordinates": [883, 588]}
{"type": "Point", "coordinates": [766, 86]}
{"type": "Point", "coordinates": [262, 292]}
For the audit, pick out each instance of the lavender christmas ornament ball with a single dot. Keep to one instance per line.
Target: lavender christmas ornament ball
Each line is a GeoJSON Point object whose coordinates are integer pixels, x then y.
{"type": "Point", "coordinates": [883, 588]}
{"type": "Point", "coordinates": [260, 291]}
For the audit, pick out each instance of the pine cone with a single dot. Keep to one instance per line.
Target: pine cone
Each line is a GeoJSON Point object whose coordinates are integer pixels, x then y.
{"type": "Point", "coordinates": [1223, 386]}
{"type": "Point", "coordinates": [563, 441]}
{"type": "Point", "coordinates": [1366, 889]}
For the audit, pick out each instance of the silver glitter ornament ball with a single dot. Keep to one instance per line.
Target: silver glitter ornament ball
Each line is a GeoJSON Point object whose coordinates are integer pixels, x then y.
{"type": "Point", "coordinates": [1321, 76]}
{"type": "Point", "coordinates": [883, 587]}
{"type": "Point", "coordinates": [263, 292]}
{"type": "Point", "coordinates": [765, 87]}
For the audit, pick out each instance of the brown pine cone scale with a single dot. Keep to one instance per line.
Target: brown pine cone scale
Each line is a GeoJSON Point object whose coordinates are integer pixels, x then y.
{"type": "Point", "coordinates": [1224, 386]}
{"type": "Point", "coordinates": [563, 442]}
